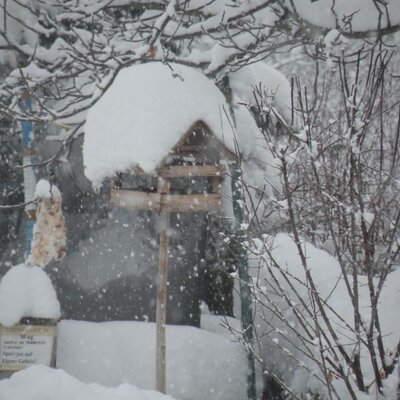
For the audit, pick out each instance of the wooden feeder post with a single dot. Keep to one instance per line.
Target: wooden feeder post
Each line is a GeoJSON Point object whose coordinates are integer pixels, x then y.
{"type": "Point", "coordinates": [161, 308]}
{"type": "Point", "coordinates": [194, 143]}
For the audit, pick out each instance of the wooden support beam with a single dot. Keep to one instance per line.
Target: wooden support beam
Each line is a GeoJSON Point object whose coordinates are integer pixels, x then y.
{"type": "Point", "coordinates": [215, 182]}
{"type": "Point", "coordinates": [162, 202]}
{"type": "Point", "coordinates": [135, 200]}
{"type": "Point", "coordinates": [185, 171]}
{"type": "Point", "coordinates": [191, 202]}
{"type": "Point", "coordinates": [196, 148]}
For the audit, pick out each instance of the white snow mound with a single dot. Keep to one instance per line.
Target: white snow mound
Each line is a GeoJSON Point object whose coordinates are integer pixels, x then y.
{"type": "Point", "coordinates": [44, 383]}
{"type": "Point", "coordinates": [200, 365]}
{"type": "Point", "coordinates": [353, 16]}
{"type": "Point", "coordinates": [27, 292]}
{"type": "Point", "coordinates": [280, 347]}
{"type": "Point", "coordinates": [277, 87]}
{"type": "Point", "coordinates": [45, 189]}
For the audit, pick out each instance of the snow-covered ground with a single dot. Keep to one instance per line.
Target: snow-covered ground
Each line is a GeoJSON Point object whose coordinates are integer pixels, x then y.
{"type": "Point", "coordinates": [116, 360]}
{"type": "Point", "coordinates": [43, 383]}
{"type": "Point", "coordinates": [200, 364]}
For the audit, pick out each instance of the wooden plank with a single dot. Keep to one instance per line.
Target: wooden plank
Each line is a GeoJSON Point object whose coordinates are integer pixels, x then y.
{"type": "Point", "coordinates": [161, 305]}
{"type": "Point", "coordinates": [182, 171]}
{"type": "Point", "coordinates": [133, 200]}
{"type": "Point", "coordinates": [215, 182]}
{"type": "Point", "coordinates": [193, 148]}
{"type": "Point", "coordinates": [190, 202]}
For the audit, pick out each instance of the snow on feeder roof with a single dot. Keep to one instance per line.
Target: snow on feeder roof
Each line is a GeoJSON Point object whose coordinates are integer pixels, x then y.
{"type": "Point", "coordinates": [145, 113]}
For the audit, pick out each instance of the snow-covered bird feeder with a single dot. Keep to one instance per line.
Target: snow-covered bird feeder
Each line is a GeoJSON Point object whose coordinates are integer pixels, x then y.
{"type": "Point", "coordinates": [187, 180]}
{"type": "Point", "coordinates": [162, 135]}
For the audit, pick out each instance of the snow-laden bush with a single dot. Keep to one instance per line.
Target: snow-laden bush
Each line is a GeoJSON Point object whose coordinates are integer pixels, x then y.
{"type": "Point", "coordinates": [305, 321]}
{"type": "Point", "coordinates": [329, 324]}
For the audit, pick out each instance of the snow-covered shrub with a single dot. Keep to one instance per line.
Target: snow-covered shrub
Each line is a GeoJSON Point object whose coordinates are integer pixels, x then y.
{"type": "Point", "coordinates": [330, 321]}
{"type": "Point", "coordinates": [305, 322]}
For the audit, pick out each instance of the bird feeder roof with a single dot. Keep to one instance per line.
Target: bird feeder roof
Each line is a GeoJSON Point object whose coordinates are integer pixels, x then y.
{"type": "Point", "coordinates": [146, 113]}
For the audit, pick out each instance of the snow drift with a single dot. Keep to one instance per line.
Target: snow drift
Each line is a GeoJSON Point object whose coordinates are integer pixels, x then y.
{"type": "Point", "coordinates": [200, 364]}
{"type": "Point", "coordinates": [44, 383]}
